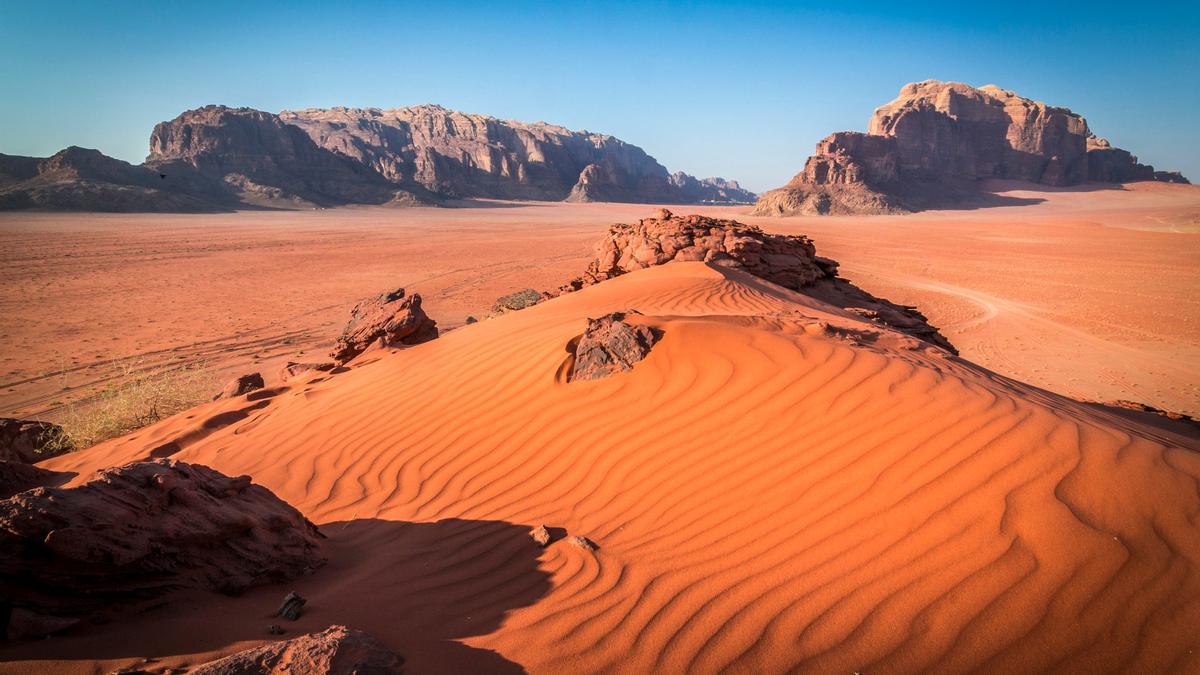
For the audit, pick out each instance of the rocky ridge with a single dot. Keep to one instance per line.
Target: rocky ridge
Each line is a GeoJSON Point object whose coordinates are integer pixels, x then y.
{"type": "Point", "coordinates": [220, 158]}
{"type": "Point", "coordinates": [932, 145]}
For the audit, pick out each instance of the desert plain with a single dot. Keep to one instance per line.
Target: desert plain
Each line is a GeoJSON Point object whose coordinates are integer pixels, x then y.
{"type": "Point", "coordinates": [1089, 292]}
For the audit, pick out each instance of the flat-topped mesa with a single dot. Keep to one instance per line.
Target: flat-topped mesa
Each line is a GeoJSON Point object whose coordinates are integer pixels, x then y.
{"type": "Point", "coordinates": [790, 261]}
{"type": "Point", "coordinates": [931, 146]}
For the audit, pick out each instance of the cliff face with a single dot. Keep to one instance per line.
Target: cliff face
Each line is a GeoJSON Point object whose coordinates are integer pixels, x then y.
{"type": "Point", "coordinates": [936, 140]}
{"type": "Point", "coordinates": [217, 157]}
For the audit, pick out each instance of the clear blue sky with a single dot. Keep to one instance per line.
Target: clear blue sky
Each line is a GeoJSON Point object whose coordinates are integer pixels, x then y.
{"type": "Point", "coordinates": [737, 89]}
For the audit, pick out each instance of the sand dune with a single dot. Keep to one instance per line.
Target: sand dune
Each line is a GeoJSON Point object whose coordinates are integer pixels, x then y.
{"type": "Point", "coordinates": [777, 486]}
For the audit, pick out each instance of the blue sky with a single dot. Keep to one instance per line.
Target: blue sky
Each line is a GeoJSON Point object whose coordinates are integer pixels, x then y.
{"type": "Point", "coordinates": [738, 89]}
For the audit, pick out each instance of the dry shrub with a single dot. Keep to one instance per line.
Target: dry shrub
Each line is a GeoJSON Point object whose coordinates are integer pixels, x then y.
{"type": "Point", "coordinates": [134, 397]}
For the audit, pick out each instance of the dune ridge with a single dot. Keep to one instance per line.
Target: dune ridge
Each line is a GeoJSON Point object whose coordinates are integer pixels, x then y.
{"type": "Point", "coordinates": [777, 486]}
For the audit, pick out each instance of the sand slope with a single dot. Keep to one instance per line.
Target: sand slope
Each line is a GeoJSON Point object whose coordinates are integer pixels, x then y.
{"type": "Point", "coordinates": [776, 487]}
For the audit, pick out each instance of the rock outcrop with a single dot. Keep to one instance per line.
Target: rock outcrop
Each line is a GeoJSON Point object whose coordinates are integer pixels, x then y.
{"type": "Point", "coordinates": [79, 179]}
{"type": "Point", "coordinates": [931, 146]}
{"type": "Point", "coordinates": [220, 158]}
{"type": "Point", "coordinates": [526, 297]}
{"type": "Point", "coordinates": [18, 477]}
{"type": "Point", "coordinates": [138, 531]}
{"type": "Point", "coordinates": [240, 385]}
{"type": "Point", "coordinates": [337, 650]}
{"type": "Point", "coordinates": [790, 261]}
{"type": "Point", "coordinates": [30, 441]}
{"type": "Point", "coordinates": [611, 345]}
{"type": "Point", "coordinates": [389, 319]}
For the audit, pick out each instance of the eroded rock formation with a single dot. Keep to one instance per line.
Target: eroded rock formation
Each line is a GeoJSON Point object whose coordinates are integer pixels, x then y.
{"type": "Point", "coordinates": [788, 260]}
{"type": "Point", "coordinates": [931, 145]}
{"type": "Point", "coordinates": [240, 385]}
{"type": "Point", "coordinates": [611, 345]}
{"type": "Point", "coordinates": [137, 531]}
{"type": "Point", "coordinates": [337, 650]}
{"type": "Point", "coordinates": [392, 318]}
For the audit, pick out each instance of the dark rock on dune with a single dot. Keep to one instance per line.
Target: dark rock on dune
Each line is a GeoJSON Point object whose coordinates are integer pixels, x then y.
{"type": "Point", "coordinates": [389, 319]}
{"type": "Point", "coordinates": [336, 650]}
{"type": "Point", "coordinates": [790, 261]}
{"type": "Point", "coordinates": [291, 370]}
{"type": "Point", "coordinates": [526, 297]}
{"type": "Point", "coordinates": [242, 385]}
{"type": "Point", "coordinates": [30, 441]}
{"type": "Point", "coordinates": [931, 146]}
{"type": "Point", "coordinates": [138, 531]}
{"type": "Point", "coordinates": [609, 346]}
{"type": "Point", "coordinates": [291, 607]}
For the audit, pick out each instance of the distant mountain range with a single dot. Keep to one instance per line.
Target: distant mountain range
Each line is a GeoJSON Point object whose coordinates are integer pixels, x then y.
{"type": "Point", "coordinates": [218, 158]}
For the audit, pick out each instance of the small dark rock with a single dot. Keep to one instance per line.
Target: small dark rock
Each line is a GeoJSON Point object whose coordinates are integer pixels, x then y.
{"type": "Point", "coordinates": [291, 607]}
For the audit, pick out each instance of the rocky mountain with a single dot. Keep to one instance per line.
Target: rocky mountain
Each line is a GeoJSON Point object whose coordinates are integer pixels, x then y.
{"type": "Point", "coordinates": [218, 157]}
{"type": "Point", "coordinates": [932, 145]}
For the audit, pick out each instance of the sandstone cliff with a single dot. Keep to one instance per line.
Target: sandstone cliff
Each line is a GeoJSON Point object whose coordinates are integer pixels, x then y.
{"type": "Point", "coordinates": [218, 157]}
{"type": "Point", "coordinates": [931, 146]}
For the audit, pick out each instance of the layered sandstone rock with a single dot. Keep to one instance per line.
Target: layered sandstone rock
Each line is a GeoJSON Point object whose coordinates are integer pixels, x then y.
{"type": "Point", "coordinates": [611, 345]}
{"type": "Point", "coordinates": [389, 319]}
{"type": "Point", "coordinates": [790, 261]}
{"type": "Point", "coordinates": [29, 441]}
{"type": "Point", "coordinates": [137, 531]}
{"type": "Point", "coordinates": [931, 146]}
{"type": "Point", "coordinates": [337, 650]}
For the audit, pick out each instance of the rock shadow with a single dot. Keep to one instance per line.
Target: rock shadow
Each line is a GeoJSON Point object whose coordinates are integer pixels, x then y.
{"type": "Point", "coordinates": [419, 588]}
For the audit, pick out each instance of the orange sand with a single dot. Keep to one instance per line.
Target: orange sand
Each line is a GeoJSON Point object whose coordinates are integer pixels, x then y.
{"type": "Point", "coordinates": [1093, 294]}
{"type": "Point", "coordinates": [767, 492]}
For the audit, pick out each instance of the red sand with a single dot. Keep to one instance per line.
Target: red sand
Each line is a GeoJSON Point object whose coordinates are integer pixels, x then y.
{"type": "Point", "coordinates": [767, 494]}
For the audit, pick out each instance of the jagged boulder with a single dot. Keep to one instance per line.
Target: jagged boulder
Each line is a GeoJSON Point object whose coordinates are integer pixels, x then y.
{"type": "Point", "coordinates": [30, 441]}
{"type": "Point", "coordinates": [141, 530]}
{"type": "Point", "coordinates": [933, 143]}
{"type": "Point", "coordinates": [337, 650]}
{"type": "Point", "coordinates": [610, 345]}
{"type": "Point", "coordinates": [526, 297]}
{"type": "Point", "coordinates": [243, 384]}
{"type": "Point", "coordinates": [392, 318]}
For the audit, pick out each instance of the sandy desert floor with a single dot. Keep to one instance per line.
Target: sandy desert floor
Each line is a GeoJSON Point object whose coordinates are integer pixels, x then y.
{"type": "Point", "coordinates": [1095, 294]}
{"type": "Point", "coordinates": [777, 487]}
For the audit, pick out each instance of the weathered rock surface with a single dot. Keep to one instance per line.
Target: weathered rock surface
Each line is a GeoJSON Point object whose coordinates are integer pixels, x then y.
{"type": "Point", "coordinates": [79, 179]}
{"type": "Point", "coordinates": [291, 370]}
{"type": "Point", "coordinates": [30, 441]}
{"type": "Point", "coordinates": [932, 144]}
{"type": "Point", "coordinates": [609, 346]}
{"type": "Point", "coordinates": [138, 531]}
{"type": "Point", "coordinates": [243, 384]}
{"type": "Point", "coordinates": [526, 297]}
{"type": "Point", "coordinates": [336, 650]}
{"type": "Point", "coordinates": [389, 319]}
{"type": "Point", "coordinates": [787, 260]}
{"type": "Point", "coordinates": [221, 158]}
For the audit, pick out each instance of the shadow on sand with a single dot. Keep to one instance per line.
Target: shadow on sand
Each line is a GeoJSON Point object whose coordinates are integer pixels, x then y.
{"type": "Point", "coordinates": [417, 587]}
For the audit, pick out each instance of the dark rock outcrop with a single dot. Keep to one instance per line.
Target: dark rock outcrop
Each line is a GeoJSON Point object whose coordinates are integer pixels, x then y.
{"type": "Point", "coordinates": [18, 477]}
{"type": "Point", "coordinates": [386, 320]}
{"type": "Point", "coordinates": [931, 146]}
{"type": "Point", "coordinates": [141, 530]}
{"type": "Point", "coordinates": [790, 261]}
{"type": "Point", "coordinates": [526, 297]}
{"type": "Point", "coordinates": [610, 345]}
{"type": "Point", "coordinates": [336, 650]}
{"type": "Point", "coordinates": [241, 385]}
{"type": "Point", "coordinates": [79, 179]}
{"type": "Point", "coordinates": [30, 441]}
